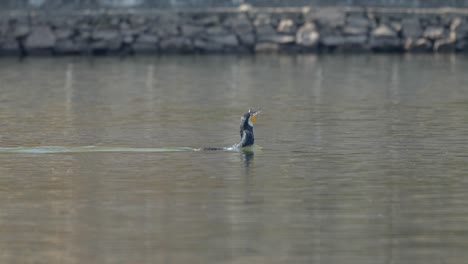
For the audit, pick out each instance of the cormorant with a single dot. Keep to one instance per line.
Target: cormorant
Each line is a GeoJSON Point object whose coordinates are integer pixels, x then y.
{"type": "Point", "coordinates": [246, 129]}
{"type": "Point", "coordinates": [246, 132]}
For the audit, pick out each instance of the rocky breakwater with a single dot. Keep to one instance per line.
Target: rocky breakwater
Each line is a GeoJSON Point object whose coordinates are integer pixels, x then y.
{"type": "Point", "coordinates": [236, 31]}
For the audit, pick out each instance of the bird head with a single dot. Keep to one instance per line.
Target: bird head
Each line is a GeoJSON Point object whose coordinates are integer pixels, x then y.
{"type": "Point", "coordinates": [249, 118]}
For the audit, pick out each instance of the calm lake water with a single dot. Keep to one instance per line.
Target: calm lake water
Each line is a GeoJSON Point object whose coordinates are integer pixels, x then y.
{"type": "Point", "coordinates": [363, 159]}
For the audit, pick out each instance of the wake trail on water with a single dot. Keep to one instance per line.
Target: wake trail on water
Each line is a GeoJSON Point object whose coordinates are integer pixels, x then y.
{"type": "Point", "coordinates": [90, 149]}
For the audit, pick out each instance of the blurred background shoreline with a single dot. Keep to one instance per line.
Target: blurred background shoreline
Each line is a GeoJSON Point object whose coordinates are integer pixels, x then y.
{"type": "Point", "coordinates": [127, 27]}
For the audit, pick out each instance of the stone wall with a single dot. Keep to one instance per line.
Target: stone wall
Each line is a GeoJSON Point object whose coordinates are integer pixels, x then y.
{"type": "Point", "coordinates": [236, 31]}
{"type": "Point", "coordinates": [171, 4]}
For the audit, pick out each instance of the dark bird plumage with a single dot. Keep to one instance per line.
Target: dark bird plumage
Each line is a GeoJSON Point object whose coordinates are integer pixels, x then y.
{"type": "Point", "coordinates": [246, 132]}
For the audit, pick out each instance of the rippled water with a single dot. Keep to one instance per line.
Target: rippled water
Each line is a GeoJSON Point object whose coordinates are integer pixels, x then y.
{"type": "Point", "coordinates": [361, 159]}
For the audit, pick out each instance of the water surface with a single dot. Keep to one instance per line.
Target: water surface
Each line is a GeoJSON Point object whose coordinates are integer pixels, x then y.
{"type": "Point", "coordinates": [363, 160]}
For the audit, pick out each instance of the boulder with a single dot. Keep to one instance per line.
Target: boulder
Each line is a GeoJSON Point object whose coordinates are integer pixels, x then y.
{"type": "Point", "coordinates": [444, 45]}
{"type": "Point", "coordinates": [356, 40]}
{"type": "Point", "coordinates": [191, 30]}
{"type": "Point", "coordinates": [356, 25]}
{"type": "Point", "coordinates": [384, 31]}
{"type": "Point", "coordinates": [217, 30]}
{"type": "Point", "coordinates": [286, 26]}
{"type": "Point", "coordinates": [175, 44]}
{"type": "Point", "coordinates": [164, 30]}
{"type": "Point", "coordinates": [41, 37]}
{"type": "Point", "coordinates": [63, 33]}
{"type": "Point", "coordinates": [411, 28]}
{"type": "Point", "coordinates": [67, 46]}
{"type": "Point", "coordinates": [239, 24]}
{"type": "Point", "coordinates": [327, 17]}
{"type": "Point", "coordinates": [396, 26]}
{"type": "Point", "coordinates": [21, 31]}
{"type": "Point", "coordinates": [418, 45]}
{"type": "Point", "coordinates": [226, 40]}
{"type": "Point", "coordinates": [352, 30]}
{"type": "Point", "coordinates": [208, 46]}
{"type": "Point", "coordinates": [105, 34]}
{"type": "Point", "coordinates": [455, 23]}
{"type": "Point", "coordinates": [265, 30]}
{"type": "Point", "coordinates": [332, 40]}
{"type": "Point", "coordinates": [434, 32]}
{"type": "Point", "coordinates": [385, 43]}
{"type": "Point", "coordinates": [262, 19]}
{"type": "Point", "coordinates": [147, 39]}
{"type": "Point", "coordinates": [277, 38]}
{"type": "Point", "coordinates": [267, 47]}
{"type": "Point", "coordinates": [307, 35]}
{"type": "Point", "coordinates": [461, 45]}
{"type": "Point", "coordinates": [139, 47]}
{"type": "Point", "coordinates": [209, 20]}
{"type": "Point", "coordinates": [447, 44]}
{"type": "Point", "coordinates": [461, 30]}
{"type": "Point", "coordinates": [358, 21]}
{"type": "Point", "coordinates": [128, 39]}
{"type": "Point", "coordinates": [247, 39]}
{"type": "Point", "coordinates": [100, 45]}
{"type": "Point", "coordinates": [10, 45]}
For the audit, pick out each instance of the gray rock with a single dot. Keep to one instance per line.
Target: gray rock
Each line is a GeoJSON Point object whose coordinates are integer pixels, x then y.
{"type": "Point", "coordinates": [384, 31]}
{"type": "Point", "coordinates": [85, 35]}
{"type": "Point", "coordinates": [40, 38]}
{"type": "Point", "coordinates": [411, 28]}
{"type": "Point", "coordinates": [210, 20]}
{"type": "Point", "coordinates": [217, 30]}
{"type": "Point", "coordinates": [396, 26]}
{"type": "Point", "coordinates": [128, 39]}
{"type": "Point", "coordinates": [358, 21]}
{"type": "Point", "coordinates": [307, 35]}
{"type": "Point", "coordinates": [265, 30]}
{"type": "Point", "coordinates": [455, 23]}
{"type": "Point", "coordinates": [385, 43]}
{"type": "Point", "coordinates": [124, 26]}
{"type": "Point", "coordinates": [333, 40]}
{"type": "Point", "coordinates": [445, 45]}
{"type": "Point", "coordinates": [353, 30]}
{"type": "Point", "coordinates": [141, 47]}
{"type": "Point", "coordinates": [168, 18]}
{"type": "Point", "coordinates": [277, 38]}
{"type": "Point", "coordinates": [461, 45]}
{"type": "Point", "coordinates": [99, 45]}
{"type": "Point", "coordinates": [356, 25]}
{"type": "Point", "coordinates": [356, 40]}
{"type": "Point", "coordinates": [247, 39]}
{"type": "Point", "coordinates": [164, 30]}
{"type": "Point", "coordinates": [191, 30]}
{"type": "Point", "coordinates": [461, 30]}
{"type": "Point", "coordinates": [10, 44]}
{"type": "Point", "coordinates": [63, 33]}
{"type": "Point", "coordinates": [147, 39]}
{"type": "Point", "coordinates": [105, 34]}
{"type": "Point", "coordinates": [346, 43]}
{"type": "Point", "coordinates": [328, 17]}
{"type": "Point", "coordinates": [240, 24]}
{"type": "Point", "coordinates": [21, 30]}
{"type": "Point", "coordinates": [226, 40]}
{"type": "Point", "coordinates": [434, 32]}
{"type": "Point", "coordinates": [267, 47]}
{"type": "Point", "coordinates": [286, 26]}
{"type": "Point", "coordinates": [207, 45]}
{"type": "Point", "coordinates": [262, 19]}
{"type": "Point", "coordinates": [175, 44]}
{"type": "Point", "coordinates": [67, 46]}
{"type": "Point", "coordinates": [418, 45]}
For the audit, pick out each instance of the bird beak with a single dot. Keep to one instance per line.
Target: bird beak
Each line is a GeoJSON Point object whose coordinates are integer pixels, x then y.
{"type": "Point", "coordinates": [253, 115]}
